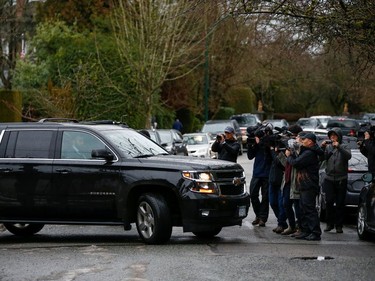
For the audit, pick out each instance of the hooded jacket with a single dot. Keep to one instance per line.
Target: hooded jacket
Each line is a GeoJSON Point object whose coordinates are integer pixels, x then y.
{"type": "Point", "coordinates": [337, 158]}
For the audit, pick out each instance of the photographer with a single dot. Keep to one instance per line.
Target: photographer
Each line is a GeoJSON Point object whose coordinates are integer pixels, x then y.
{"type": "Point", "coordinates": [226, 145]}
{"type": "Point", "coordinates": [336, 155]}
{"type": "Point", "coordinates": [367, 148]}
{"type": "Point", "coordinates": [260, 150]}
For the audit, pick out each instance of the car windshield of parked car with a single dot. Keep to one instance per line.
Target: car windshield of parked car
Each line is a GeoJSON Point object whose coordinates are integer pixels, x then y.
{"type": "Point", "coordinates": [196, 140]}
{"type": "Point", "coordinates": [165, 137]}
{"type": "Point", "coordinates": [246, 120]}
{"type": "Point", "coordinates": [132, 144]}
{"type": "Point", "coordinates": [215, 127]}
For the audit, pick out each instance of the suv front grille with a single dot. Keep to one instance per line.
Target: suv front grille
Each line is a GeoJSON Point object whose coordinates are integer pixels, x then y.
{"type": "Point", "coordinates": [224, 180]}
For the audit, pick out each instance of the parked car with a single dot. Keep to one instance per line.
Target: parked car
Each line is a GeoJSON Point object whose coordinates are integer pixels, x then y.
{"type": "Point", "coordinates": [349, 127]}
{"type": "Point", "coordinates": [323, 119]}
{"type": "Point", "coordinates": [85, 174]}
{"type": "Point", "coordinates": [309, 123]}
{"type": "Point", "coordinates": [366, 209]}
{"type": "Point", "coordinates": [246, 120]}
{"type": "Point", "coordinates": [279, 123]}
{"type": "Point", "coordinates": [171, 140]}
{"type": "Point", "coordinates": [369, 118]}
{"type": "Point", "coordinates": [198, 145]}
{"type": "Point", "coordinates": [215, 127]}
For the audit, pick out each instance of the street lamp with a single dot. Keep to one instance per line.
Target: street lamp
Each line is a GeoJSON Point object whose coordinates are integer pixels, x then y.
{"type": "Point", "coordinates": [206, 66]}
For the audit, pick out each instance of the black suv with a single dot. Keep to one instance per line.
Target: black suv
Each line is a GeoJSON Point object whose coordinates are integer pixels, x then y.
{"type": "Point", "coordinates": [100, 174]}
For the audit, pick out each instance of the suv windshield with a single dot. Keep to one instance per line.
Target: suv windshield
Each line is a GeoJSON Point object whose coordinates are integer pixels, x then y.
{"type": "Point", "coordinates": [132, 144]}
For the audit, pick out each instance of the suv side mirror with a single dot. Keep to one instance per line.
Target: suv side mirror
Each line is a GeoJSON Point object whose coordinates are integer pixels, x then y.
{"type": "Point", "coordinates": [102, 153]}
{"type": "Point", "coordinates": [368, 177]}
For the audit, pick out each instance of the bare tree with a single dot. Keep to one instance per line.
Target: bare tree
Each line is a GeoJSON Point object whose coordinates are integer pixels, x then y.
{"type": "Point", "coordinates": [157, 40]}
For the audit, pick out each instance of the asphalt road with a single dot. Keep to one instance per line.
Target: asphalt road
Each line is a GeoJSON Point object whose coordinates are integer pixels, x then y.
{"type": "Point", "coordinates": [239, 253]}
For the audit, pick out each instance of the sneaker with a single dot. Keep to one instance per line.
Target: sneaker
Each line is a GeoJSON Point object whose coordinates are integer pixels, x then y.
{"type": "Point", "coordinates": [256, 221]}
{"type": "Point", "coordinates": [339, 229]}
{"type": "Point", "coordinates": [288, 231]}
{"type": "Point", "coordinates": [312, 237]}
{"type": "Point", "coordinates": [262, 223]}
{"type": "Point", "coordinates": [328, 228]}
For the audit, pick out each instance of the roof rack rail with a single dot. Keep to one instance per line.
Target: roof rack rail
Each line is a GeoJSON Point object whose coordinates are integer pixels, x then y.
{"type": "Point", "coordinates": [58, 120]}
{"type": "Point", "coordinates": [104, 122]}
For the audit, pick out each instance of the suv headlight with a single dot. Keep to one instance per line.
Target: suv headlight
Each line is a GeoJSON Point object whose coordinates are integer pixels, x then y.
{"type": "Point", "coordinates": [203, 182]}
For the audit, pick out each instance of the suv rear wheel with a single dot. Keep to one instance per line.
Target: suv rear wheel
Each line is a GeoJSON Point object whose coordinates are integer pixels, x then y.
{"type": "Point", "coordinates": [23, 229]}
{"type": "Point", "coordinates": [153, 221]}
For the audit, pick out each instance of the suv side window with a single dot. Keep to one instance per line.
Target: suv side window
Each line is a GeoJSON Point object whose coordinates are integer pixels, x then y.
{"type": "Point", "coordinates": [78, 145]}
{"type": "Point", "coordinates": [29, 144]}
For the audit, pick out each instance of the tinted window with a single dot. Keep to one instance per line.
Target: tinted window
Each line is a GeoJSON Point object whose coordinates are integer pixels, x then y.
{"type": "Point", "coordinates": [78, 145]}
{"type": "Point", "coordinates": [29, 144]}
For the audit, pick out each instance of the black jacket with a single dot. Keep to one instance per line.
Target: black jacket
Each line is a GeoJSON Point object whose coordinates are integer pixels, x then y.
{"type": "Point", "coordinates": [227, 151]}
{"type": "Point", "coordinates": [368, 149]}
{"type": "Point", "coordinates": [307, 165]}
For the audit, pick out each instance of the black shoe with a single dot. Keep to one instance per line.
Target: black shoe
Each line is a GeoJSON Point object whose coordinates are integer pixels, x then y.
{"type": "Point", "coordinates": [312, 237]}
{"type": "Point", "coordinates": [339, 229]}
{"type": "Point", "coordinates": [328, 228]}
{"type": "Point", "coordinates": [302, 235]}
{"type": "Point", "coordinates": [262, 223]}
{"type": "Point", "coordinates": [256, 221]}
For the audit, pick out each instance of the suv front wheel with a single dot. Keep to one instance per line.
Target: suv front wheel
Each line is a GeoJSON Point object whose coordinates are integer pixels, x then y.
{"type": "Point", "coordinates": [153, 219]}
{"type": "Point", "coordinates": [23, 229]}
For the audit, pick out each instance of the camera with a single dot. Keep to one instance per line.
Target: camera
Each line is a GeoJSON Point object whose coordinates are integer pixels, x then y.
{"type": "Point", "coordinates": [219, 137]}
{"type": "Point", "coordinates": [328, 142]}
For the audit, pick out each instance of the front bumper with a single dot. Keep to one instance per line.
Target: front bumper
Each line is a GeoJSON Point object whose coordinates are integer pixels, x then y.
{"type": "Point", "coordinates": [204, 212]}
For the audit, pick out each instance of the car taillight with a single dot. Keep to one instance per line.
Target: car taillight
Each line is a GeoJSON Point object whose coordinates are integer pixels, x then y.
{"type": "Point", "coordinates": [352, 133]}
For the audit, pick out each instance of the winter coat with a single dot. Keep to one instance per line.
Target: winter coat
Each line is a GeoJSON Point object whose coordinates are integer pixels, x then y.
{"type": "Point", "coordinates": [294, 192]}
{"type": "Point", "coordinates": [368, 149]}
{"type": "Point", "coordinates": [337, 159]}
{"type": "Point", "coordinates": [263, 159]}
{"type": "Point", "coordinates": [227, 150]}
{"type": "Point", "coordinates": [307, 165]}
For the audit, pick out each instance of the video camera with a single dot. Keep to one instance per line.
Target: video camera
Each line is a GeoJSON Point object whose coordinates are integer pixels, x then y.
{"type": "Point", "coordinates": [269, 136]}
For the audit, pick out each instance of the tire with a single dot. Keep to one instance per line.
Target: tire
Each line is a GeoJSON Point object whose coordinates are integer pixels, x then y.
{"type": "Point", "coordinates": [363, 234]}
{"type": "Point", "coordinates": [154, 224]}
{"type": "Point", "coordinates": [23, 229]}
{"type": "Point", "coordinates": [208, 234]}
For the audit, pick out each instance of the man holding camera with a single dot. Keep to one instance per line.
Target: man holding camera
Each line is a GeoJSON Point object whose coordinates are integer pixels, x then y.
{"type": "Point", "coordinates": [260, 151]}
{"type": "Point", "coordinates": [367, 148]}
{"type": "Point", "coordinates": [226, 145]}
{"type": "Point", "coordinates": [336, 155]}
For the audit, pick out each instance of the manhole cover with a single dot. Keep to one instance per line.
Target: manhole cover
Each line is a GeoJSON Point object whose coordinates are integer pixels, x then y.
{"type": "Point", "coordinates": [319, 258]}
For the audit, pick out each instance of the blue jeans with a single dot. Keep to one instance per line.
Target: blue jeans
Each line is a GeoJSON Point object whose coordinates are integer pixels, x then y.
{"type": "Point", "coordinates": [276, 202]}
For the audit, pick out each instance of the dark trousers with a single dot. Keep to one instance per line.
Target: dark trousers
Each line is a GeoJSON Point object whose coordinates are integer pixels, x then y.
{"type": "Point", "coordinates": [335, 192]}
{"type": "Point", "coordinates": [261, 208]}
{"type": "Point", "coordinates": [276, 203]}
{"type": "Point", "coordinates": [310, 222]}
{"type": "Point", "coordinates": [291, 215]}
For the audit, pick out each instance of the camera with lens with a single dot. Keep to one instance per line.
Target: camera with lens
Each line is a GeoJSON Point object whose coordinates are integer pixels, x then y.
{"type": "Point", "coordinates": [219, 137]}
{"type": "Point", "coordinates": [328, 142]}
